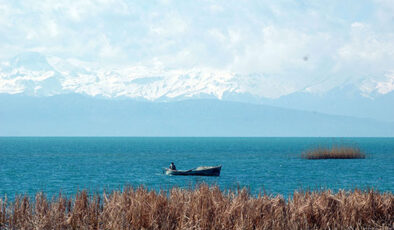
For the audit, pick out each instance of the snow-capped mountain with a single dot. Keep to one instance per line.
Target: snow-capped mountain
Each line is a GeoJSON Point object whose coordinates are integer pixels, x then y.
{"type": "Point", "coordinates": [30, 73]}
{"type": "Point", "coordinates": [35, 74]}
{"type": "Point", "coordinates": [38, 75]}
{"type": "Point", "coordinates": [365, 97]}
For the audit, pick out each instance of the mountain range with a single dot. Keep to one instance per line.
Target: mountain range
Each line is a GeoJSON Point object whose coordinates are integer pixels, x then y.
{"type": "Point", "coordinates": [79, 115]}
{"type": "Point", "coordinates": [36, 78]}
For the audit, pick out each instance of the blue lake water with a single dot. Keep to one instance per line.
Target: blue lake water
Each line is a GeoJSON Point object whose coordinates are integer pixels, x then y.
{"type": "Point", "coordinates": [32, 164]}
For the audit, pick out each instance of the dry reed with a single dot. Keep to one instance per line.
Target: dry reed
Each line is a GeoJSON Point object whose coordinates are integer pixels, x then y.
{"type": "Point", "coordinates": [201, 208]}
{"type": "Point", "coordinates": [335, 152]}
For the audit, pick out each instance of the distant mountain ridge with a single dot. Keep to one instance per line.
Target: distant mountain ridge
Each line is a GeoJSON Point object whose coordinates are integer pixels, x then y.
{"type": "Point", "coordinates": [341, 100]}
{"type": "Point", "coordinates": [34, 74]}
{"type": "Point", "coordinates": [78, 115]}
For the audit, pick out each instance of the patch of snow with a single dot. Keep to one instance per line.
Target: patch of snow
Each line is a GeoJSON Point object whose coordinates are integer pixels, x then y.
{"type": "Point", "coordinates": [39, 75]}
{"type": "Point", "coordinates": [379, 86]}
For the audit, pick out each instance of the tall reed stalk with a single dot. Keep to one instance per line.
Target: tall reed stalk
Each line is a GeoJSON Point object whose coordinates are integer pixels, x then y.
{"type": "Point", "coordinates": [201, 208]}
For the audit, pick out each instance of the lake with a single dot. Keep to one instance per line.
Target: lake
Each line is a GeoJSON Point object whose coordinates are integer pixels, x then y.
{"type": "Point", "coordinates": [68, 164]}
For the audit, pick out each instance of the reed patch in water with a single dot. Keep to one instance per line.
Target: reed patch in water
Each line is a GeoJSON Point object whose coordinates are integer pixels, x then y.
{"type": "Point", "coordinates": [201, 208]}
{"type": "Point", "coordinates": [334, 152]}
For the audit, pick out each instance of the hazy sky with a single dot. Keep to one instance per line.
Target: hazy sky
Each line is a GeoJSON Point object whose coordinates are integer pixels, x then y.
{"type": "Point", "coordinates": [288, 39]}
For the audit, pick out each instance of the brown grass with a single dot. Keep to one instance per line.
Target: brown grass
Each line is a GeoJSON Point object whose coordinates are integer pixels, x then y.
{"type": "Point", "coordinates": [201, 208]}
{"type": "Point", "coordinates": [334, 152]}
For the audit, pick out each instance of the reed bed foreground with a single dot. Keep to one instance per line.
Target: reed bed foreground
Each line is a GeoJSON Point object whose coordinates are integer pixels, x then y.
{"type": "Point", "coordinates": [201, 208]}
{"type": "Point", "coordinates": [335, 152]}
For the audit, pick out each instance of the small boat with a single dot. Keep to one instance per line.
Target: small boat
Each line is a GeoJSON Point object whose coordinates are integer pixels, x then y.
{"type": "Point", "coordinates": [199, 171]}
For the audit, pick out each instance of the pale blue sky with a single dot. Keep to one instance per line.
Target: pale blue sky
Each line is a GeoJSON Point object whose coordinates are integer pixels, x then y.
{"type": "Point", "coordinates": [339, 38]}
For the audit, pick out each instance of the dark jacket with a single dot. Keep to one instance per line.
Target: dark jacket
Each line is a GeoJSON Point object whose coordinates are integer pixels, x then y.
{"type": "Point", "coordinates": [172, 167]}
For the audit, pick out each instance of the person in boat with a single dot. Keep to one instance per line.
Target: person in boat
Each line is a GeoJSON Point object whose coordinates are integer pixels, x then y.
{"type": "Point", "coordinates": [172, 166]}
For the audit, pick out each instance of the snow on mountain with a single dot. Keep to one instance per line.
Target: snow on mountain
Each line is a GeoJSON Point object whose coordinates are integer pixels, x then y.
{"type": "Point", "coordinates": [369, 87]}
{"type": "Point", "coordinates": [382, 86]}
{"type": "Point", "coordinates": [31, 74]}
{"type": "Point", "coordinates": [35, 74]}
